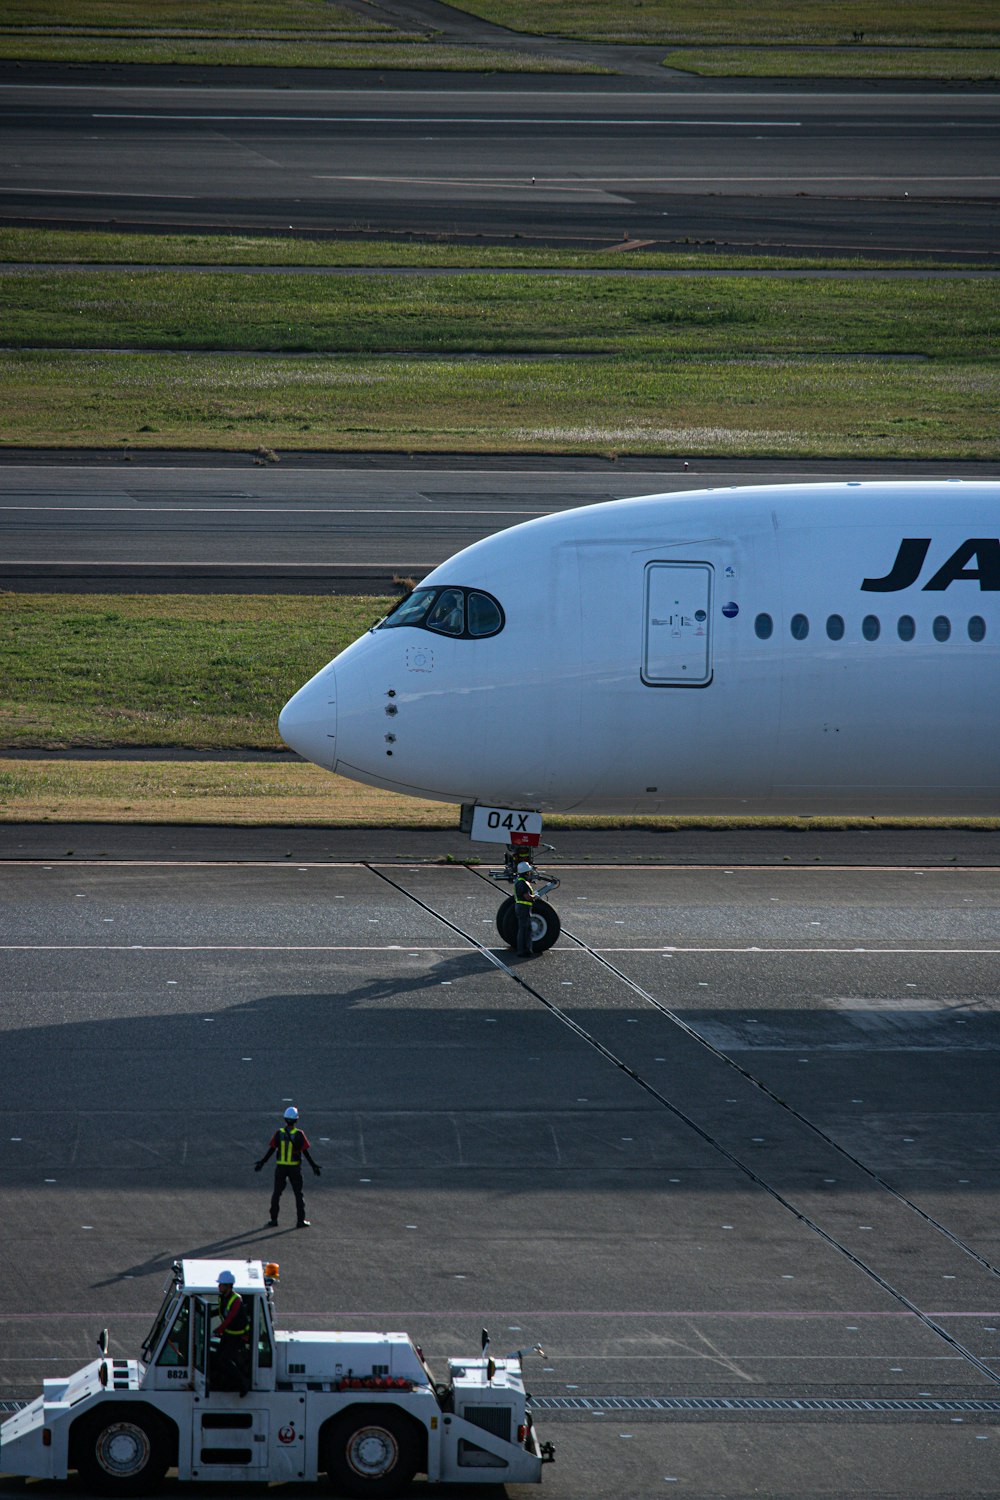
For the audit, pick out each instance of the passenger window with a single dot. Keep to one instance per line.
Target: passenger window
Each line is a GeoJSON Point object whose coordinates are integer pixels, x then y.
{"type": "Point", "coordinates": [977, 628]}
{"type": "Point", "coordinates": [941, 628]}
{"type": "Point", "coordinates": [411, 610]}
{"type": "Point", "coordinates": [448, 613]}
{"type": "Point", "coordinates": [835, 627]}
{"type": "Point", "coordinates": [763, 625]}
{"type": "Point", "coordinates": [484, 615]}
{"type": "Point", "coordinates": [906, 628]}
{"type": "Point", "coordinates": [800, 627]}
{"type": "Point", "coordinates": [870, 627]}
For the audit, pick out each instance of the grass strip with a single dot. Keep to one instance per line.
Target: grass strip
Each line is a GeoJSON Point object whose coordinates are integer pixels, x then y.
{"type": "Point", "coordinates": [958, 65]}
{"type": "Point", "coordinates": [295, 795]}
{"type": "Point", "coordinates": [233, 792]}
{"type": "Point", "coordinates": [255, 33]}
{"type": "Point", "coordinates": [264, 53]}
{"type": "Point", "coordinates": [901, 23]}
{"type": "Point", "coordinates": [222, 17]}
{"type": "Point", "coordinates": [102, 246]}
{"type": "Point", "coordinates": [485, 314]}
{"type": "Point", "coordinates": [761, 406]}
{"type": "Point", "coordinates": [205, 672]}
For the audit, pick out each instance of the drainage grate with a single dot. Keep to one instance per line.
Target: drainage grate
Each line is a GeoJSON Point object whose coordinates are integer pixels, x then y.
{"type": "Point", "coordinates": [736, 1403]}
{"type": "Point", "coordinates": [763, 1404]}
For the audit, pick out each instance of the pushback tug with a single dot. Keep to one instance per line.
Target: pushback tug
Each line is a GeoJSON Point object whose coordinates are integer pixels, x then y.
{"type": "Point", "coordinates": [362, 1409]}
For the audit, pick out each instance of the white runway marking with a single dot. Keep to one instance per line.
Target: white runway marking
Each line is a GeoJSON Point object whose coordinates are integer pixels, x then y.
{"type": "Point", "coordinates": [736, 1315]}
{"type": "Point", "coordinates": [616, 184]}
{"type": "Point", "coordinates": [667, 948]}
{"type": "Point", "coordinates": [89, 193]}
{"type": "Point", "coordinates": [417, 864]}
{"type": "Point", "coordinates": [478, 93]}
{"type": "Point", "coordinates": [199, 562]}
{"type": "Point", "coordinates": [441, 474]}
{"type": "Point", "coordinates": [293, 508]}
{"type": "Point", "coordinates": [253, 118]}
{"type": "Point", "coordinates": [223, 948]}
{"type": "Point", "coordinates": [437, 948]}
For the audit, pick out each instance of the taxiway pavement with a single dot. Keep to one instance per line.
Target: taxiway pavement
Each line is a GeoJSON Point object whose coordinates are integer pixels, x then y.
{"type": "Point", "coordinates": [803, 167]}
{"type": "Point", "coordinates": [321, 522]}
{"type": "Point", "coordinates": [728, 1149]}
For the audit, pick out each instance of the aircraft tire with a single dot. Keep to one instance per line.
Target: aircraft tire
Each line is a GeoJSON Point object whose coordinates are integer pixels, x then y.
{"type": "Point", "coordinates": [507, 922]}
{"type": "Point", "coordinates": [545, 924]}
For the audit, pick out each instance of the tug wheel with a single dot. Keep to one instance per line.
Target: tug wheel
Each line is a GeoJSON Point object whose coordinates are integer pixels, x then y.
{"type": "Point", "coordinates": [545, 924]}
{"type": "Point", "coordinates": [371, 1450]}
{"type": "Point", "coordinates": [124, 1452]}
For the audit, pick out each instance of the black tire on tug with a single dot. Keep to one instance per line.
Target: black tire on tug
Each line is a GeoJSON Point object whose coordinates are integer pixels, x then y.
{"type": "Point", "coordinates": [120, 1452]}
{"type": "Point", "coordinates": [545, 924]}
{"type": "Point", "coordinates": [371, 1450]}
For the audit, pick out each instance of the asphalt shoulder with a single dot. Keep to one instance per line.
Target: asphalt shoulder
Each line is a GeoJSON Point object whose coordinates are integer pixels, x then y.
{"type": "Point", "coordinates": [928, 848]}
{"type": "Point", "coordinates": [766, 470]}
{"type": "Point", "coordinates": [634, 69]}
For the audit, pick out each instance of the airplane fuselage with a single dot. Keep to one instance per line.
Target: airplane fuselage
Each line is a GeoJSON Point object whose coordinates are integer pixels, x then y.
{"type": "Point", "coordinates": [808, 649]}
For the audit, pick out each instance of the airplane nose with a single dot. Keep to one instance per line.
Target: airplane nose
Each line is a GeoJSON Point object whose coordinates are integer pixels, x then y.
{"type": "Point", "coordinates": [308, 721]}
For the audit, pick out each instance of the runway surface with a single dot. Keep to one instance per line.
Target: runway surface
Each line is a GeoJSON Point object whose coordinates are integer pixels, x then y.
{"type": "Point", "coordinates": [728, 1151]}
{"type": "Point", "coordinates": [804, 167]}
{"type": "Point", "coordinates": [197, 523]}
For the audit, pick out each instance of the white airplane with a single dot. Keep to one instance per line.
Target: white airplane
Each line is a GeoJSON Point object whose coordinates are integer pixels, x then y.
{"type": "Point", "coordinates": [815, 649]}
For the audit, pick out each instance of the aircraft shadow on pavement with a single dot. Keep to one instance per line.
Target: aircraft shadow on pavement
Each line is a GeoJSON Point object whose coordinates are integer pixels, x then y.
{"type": "Point", "coordinates": [452, 1075]}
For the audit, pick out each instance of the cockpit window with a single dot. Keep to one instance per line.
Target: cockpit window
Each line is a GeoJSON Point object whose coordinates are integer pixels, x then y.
{"type": "Point", "coordinates": [448, 613]}
{"type": "Point", "coordinates": [459, 612]}
{"type": "Point", "coordinates": [411, 610]}
{"type": "Point", "coordinates": [484, 615]}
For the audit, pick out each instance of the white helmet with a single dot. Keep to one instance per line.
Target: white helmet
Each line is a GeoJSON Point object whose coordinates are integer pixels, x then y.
{"type": "Point", "coordinates": [524, 868]}
{"type": "Point", "coordinates": [226, 1278]}
{"type": "Point", "coordinates": [291, 1113]}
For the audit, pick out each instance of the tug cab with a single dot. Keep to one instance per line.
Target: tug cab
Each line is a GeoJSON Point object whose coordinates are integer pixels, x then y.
{"type": "Point", "coordinates": [181, 1350]}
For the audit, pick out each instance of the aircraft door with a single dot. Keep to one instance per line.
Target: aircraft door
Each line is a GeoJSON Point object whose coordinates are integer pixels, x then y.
{"type": "Point", "coordinates": [677, 625]}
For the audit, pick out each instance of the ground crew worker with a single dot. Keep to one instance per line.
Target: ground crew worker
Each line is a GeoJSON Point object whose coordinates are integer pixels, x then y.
{"type": "Point", "coordinates": [524, 897]}
{"type": "Point", "coordinates": [231, 1360]}
{"type": "Point", "coordinates": [291, 1145]}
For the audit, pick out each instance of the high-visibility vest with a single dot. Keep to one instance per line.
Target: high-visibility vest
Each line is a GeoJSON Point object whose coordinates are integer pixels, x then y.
{"type": "Point", "coordinates": [289, 1150]}
{"type": "Point", "coordinates": [523, 885]}
{"type": "Point", "coordinates": [240, 1326]}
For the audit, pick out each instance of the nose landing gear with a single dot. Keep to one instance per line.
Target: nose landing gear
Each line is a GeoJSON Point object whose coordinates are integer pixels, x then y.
{"type": "Point", "coordinates": [545, 924]}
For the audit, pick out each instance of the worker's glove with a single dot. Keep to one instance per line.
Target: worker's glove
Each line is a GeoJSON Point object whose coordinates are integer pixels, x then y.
{"type": "Point", "coordinates": [316, 1169]}
{"type": "Point", "coordinates": [258, 1166]}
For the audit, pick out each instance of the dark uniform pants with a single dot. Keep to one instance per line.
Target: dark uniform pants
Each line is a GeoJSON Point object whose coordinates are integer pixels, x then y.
{"type": "Point", "coordinates": [524, 944]}
{"type": "Point", "coordinates": [230, 1369]}
{"type": "Point", "coordinates": [294, 1176]}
